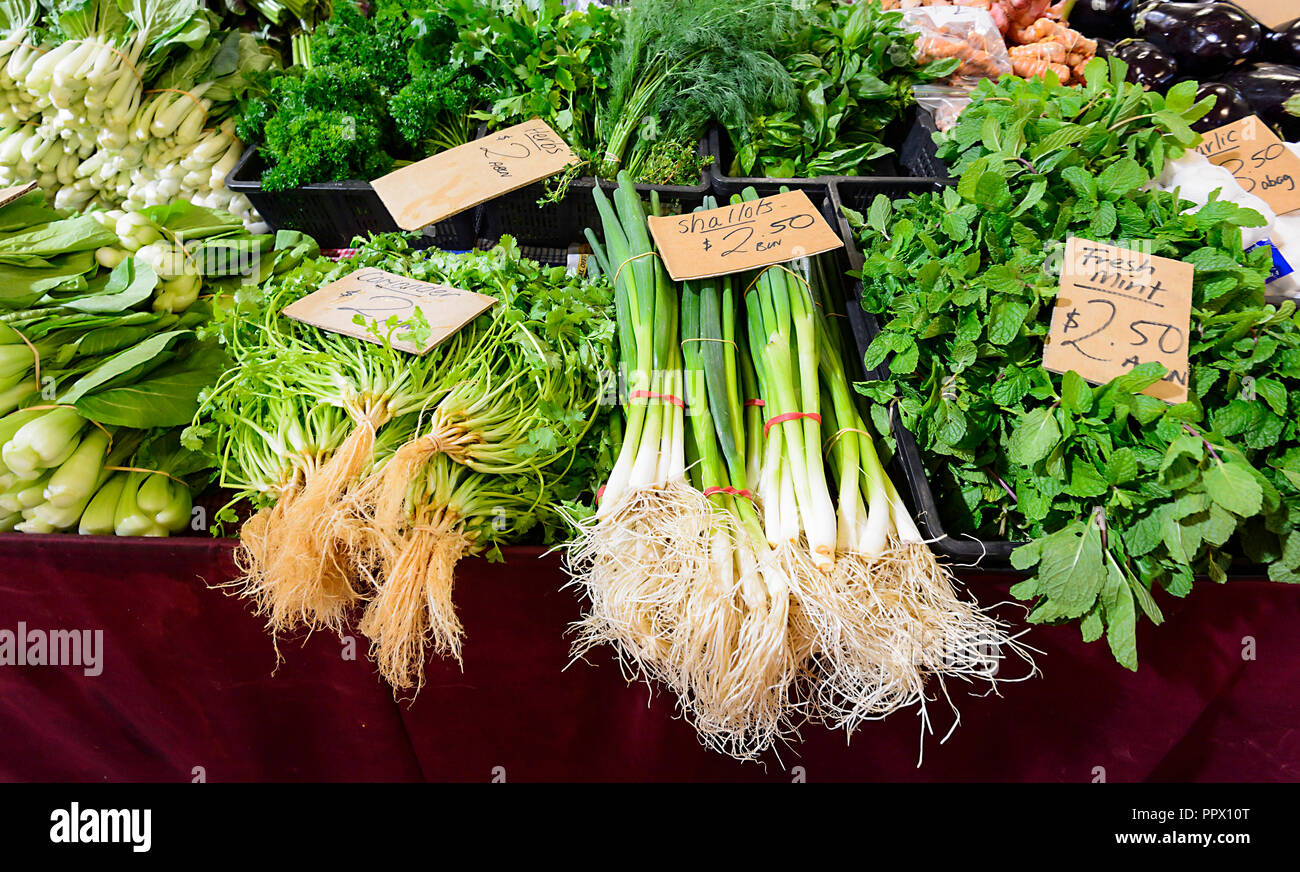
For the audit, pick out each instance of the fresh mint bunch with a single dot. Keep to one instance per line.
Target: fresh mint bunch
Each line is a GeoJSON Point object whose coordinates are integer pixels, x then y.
{"type": "Point", "coordinates": [1114, 493]}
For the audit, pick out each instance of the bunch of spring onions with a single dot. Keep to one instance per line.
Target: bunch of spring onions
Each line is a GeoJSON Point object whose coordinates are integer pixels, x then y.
{"type": "Point", "coordinates": [374, 470]}
{"type": "Point", "coordinates": [123, 102]}
{"type": "Point", "coordinates": [749, 550]}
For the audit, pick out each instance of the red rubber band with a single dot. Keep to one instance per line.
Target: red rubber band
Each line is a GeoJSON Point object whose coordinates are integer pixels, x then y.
{"type": "Point", "coordinates": [676, 401]}
{"type": "Point", "coordinates": [600, 492]}
{"type": "Point", "coordinates": [710, 491]}
{"type": "Point", "coordinates": [749, 403]}
{"type": "Point", "coordinates": [789, 416]}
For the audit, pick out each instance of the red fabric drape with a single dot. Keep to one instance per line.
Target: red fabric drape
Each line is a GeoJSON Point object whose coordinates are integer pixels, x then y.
{"type": "Point", "coordinates": [190, 685]}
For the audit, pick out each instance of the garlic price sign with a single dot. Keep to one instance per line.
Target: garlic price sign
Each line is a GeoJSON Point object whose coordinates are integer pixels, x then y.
{"type": "Point", "coordinates": [1259, 161]}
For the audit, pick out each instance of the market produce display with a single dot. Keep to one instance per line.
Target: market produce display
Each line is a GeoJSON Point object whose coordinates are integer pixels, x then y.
{"type": "Point", "coordinates": [749, 551]}
{"type": "Point", "coordinates": [125, 103]}
{"type": "Point", "coordinates": [101, 361]}
{"type": "Point", "coordinates": [713, 456]}
{"type": "Point", "coordinates": [373, 471]}
{"type": "Point", "coordinates": [1115, 493]}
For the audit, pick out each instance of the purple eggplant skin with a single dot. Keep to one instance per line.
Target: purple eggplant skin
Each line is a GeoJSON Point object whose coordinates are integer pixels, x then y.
{"type": "Point", "coordinates": [1265, 87]}
{"type": "Point", "coordinates": [1283, 44]}
{"type": "Point", "coordinates": [1147, 65]}
{"type": "Point", "coordinates": [1110, 19]}
{"type": "Point", "coordinates": [1229, 106]}
{"type": "Point", "coordinates": [1202, 37]}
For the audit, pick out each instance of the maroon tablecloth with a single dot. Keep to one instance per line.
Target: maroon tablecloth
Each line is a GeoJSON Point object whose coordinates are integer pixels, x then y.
{"type": "Point", "coordinates": [190, 688]}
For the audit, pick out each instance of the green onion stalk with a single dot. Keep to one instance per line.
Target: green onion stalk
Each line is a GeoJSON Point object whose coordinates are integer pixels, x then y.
{"type": "Point", "coordinates": [650, 533]}
{"type": "Point", "coordinates": [783, 578]}
{"type": "Point", "coordinates": [922, 627]}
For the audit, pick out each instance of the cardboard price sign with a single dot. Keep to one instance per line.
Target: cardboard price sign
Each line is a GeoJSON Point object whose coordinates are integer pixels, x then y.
{"type": "Point", "coordinates": [377, 295]}
{"type": "Point", "coordinates": [746, 236]}
{"type": "Point", "coordinates": [8, 195]}
{"type": "Point", "coordinates": [1259, 161]}
{"type": "Point", "coordinates": [460, 178]}
{"type": "Point", "coordinates": [1270, 13]}
{"type": "Point", "coordinates": [1118, 308]}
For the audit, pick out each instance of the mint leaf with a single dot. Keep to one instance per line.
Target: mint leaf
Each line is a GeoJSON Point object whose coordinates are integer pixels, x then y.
{"type": "Point", "coordinates": [1076, 394]}
{"type": "Point", "coordinates": [1120, 178]}
{"type": "Point", "coordinates": [1071, 572]}
{"type": "Point", "coordinates": [1034, 437]}
{"type": "Point", "coordinates": [1235, 488]}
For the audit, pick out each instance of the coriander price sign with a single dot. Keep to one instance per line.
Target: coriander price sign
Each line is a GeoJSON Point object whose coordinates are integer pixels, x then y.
{"type": "Point", "coordinates": [372, 304]}
{"type": "Point", "coordinates": [748, 235]}
{"type": "Point", "coordinates": [460, 178]}
{"type": "Point", "coordinates": [1120, 307]}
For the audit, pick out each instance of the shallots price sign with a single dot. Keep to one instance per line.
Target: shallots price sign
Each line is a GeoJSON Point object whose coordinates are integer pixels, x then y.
{"type": "Point", "coordinates": [413, 315]}
{"type": "Point", "coordinates": [744, 236]}
{"type": "Point", "coordinates": [1118, 308]}
{"type": "Point", "coordinates": [461, 178]}
{"type": "Point", "coordinates": [1259, 161]}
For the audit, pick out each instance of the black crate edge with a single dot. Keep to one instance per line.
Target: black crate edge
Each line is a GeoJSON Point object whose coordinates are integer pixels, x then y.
{"type": "Point", "coordinates": [333, 213]}
{"type": "Point", "coordinates": [965, 551]}
{"type": "Point", "coordinates": [724, 186]}
{"type": "Point", "coordinates": [556, 225]}
{"type": "Point", "coordinates": [919, 154]}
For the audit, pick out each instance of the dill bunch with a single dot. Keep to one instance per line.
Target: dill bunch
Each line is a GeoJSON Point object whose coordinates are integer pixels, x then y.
{"type": "Point", "coordinates": [684, 62]}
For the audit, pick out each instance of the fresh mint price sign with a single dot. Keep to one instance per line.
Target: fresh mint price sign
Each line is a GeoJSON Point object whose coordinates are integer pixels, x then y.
{"type": "Point", "coordinates": [744, 236]}
{"type": "Point", "coordinates": [1119, 308]}
{"type": "Point", "coordinates": [461, 178]}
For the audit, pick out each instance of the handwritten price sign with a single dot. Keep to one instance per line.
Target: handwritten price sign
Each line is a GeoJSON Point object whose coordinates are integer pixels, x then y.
{"type": "Point", "coordinates": [378, 296]}
{"type": "Point", "coordinates": [1270, 13]}
{"type": "Point", "coordinates": [1117, 308]}
{"type": "Point", "coordinates": [8, 195]}
{"type": "Point", "coordinates": [460, 178]}
{"type": "Point", "coordinates": [729, 239]}
{"type": "Point", "coordinates": [1259, 161]}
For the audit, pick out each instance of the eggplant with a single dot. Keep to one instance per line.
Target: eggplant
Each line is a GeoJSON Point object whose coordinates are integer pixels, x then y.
{"type": "Point", "coordinates": [1282, 44]}
{"type": "Point", "coordinates": [1266, 87]}
{"type": "Point", "coordinates": [1229, 106]}
{"type": "Point", "coordinates": [1202, 37]}
{"type": "Point", "coordinates": [1147, 65]}
{"type": "Point", "coordinates": [1110, 19]}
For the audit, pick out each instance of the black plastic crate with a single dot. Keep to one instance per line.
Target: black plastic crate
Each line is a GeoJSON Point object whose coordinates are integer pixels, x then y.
{"type": "Point", "coordinates": [918, 154]}
{"type": "Point", "coordinates": [857, 194]}
{"type": "Point", "coordinates": [333, 213]}
{"type": "Point", "coordinates": [556, 225]}
{"type": "Point", "coordinates": [724, 185]}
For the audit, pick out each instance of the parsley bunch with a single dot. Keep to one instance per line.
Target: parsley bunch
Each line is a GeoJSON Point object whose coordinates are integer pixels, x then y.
{"type": "Point", "coordinates": [366, 91]}
{"type": "Point", "coordinates": [1115, 493]}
